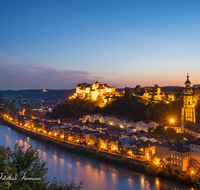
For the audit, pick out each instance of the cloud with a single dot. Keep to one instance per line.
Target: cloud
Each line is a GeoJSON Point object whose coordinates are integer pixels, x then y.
{"type": "Point", "coordinates": [10, 58]}
{"type": "Point", "coordinates": [18, 74]}
{"type": "Point", "coordinates": [39, 59]}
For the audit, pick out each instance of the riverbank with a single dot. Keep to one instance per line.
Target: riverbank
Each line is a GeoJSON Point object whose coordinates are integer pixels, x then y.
{"type": "Point", "coordinates": [119, 160]}
{"type": "Point", "coordinates": [136, 165]}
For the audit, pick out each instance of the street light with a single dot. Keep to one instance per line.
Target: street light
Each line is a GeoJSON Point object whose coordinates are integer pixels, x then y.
{"type": "Point", "coordinates": [172, 120]}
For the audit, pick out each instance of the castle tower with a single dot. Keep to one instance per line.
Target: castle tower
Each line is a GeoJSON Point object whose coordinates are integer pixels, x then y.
{"type": "Point", "coordinates": [188, 110]}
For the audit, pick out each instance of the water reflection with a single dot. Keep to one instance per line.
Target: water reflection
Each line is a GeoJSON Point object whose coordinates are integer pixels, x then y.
{"type": "Point", "coordinates": [8, 141]}
{"type": "Point", "coordinates": [95, 174]}
{"type": "Point", "coordinates": [157, 182]}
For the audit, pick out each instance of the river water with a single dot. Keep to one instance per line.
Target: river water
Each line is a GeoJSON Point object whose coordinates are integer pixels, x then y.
{"type": "Point", "coordinates": [95, 174]}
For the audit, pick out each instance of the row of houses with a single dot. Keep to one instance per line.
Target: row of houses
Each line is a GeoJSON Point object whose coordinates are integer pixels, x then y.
{"type": "Point", "coordinates": [123, 122]}
{"type": "Point", "coordinates": [138, 144]}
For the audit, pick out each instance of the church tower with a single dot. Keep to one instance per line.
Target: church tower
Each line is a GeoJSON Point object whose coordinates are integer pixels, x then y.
{"type": "Point", "coordinates": [188, 110]}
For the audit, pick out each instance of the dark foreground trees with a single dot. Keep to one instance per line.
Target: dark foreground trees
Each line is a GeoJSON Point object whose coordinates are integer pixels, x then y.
{"type": "Point", "coordinates": [25, 170]}
{"type": "Point", "coordinates": [74, 108]}
{"type": "Point", "coordinates": [169, 133]}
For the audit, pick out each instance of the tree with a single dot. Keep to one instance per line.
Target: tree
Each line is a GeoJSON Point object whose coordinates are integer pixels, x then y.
{"type": "Point", "coordinates": [97, 121]}
{"type": "Point", "coordinates": [28, 164]}
{"type": "Point", "coordinates": [170, 133]}
{"type": "Point", "coordinates": [150, 129]}
{"type": "Point", "coordinates": [137, 88]}
{"type": "Point", "coordinates": [178, 136]}
{"type": "Point", "coordinates": [156, 87]}
{"type": "Point", "coordinates": [147, 88]}
{"type": "Point", "coordinates": [29, 112]}
{"type": "Point", "coordinates": [97, 145]}
{"type": "Point", "coordinates": [128, 93]}
{"type": "Point", "coordinates": [159, 130]}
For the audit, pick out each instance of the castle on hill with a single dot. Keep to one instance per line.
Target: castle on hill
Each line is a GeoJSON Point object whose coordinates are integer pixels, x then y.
{"type": "Point", "coordinates": [103, 93]}
{"type": "Point", "coordinates": [152, 95]}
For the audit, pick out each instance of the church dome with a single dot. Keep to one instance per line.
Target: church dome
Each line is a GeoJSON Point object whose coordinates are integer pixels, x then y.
{"type": "Point", "coordinates": [187, 90]}
{"type": "Point", "coordinates": [187, 82]}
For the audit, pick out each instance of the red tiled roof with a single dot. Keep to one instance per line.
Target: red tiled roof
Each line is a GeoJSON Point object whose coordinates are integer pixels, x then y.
{"type": "Point", "coordinates": [68, 120]}
{"type": "Point", "coordinates": [196, 142]}
{"type": "Point", "coordinates": [195, 127]}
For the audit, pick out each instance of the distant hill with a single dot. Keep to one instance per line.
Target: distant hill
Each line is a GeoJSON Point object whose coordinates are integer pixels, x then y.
{"type": "Point", "coordinates": [49, 94]}
{"type": "Point", "coordinates": [196, 86]}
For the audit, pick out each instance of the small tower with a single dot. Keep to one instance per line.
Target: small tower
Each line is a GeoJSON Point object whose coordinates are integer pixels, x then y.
{"type": "Point", "coordinates": [188, 110]}
{"type": "Point", "coordinates": [23, 111]}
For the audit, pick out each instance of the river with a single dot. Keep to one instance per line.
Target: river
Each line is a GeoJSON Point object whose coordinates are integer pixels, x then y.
{"type": "Point", "coordinates": [95, 174]}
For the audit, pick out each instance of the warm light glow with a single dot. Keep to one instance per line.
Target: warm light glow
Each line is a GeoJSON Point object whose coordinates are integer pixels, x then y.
{"type": "Point", "coordinates": [55, 134]}
{"type": "Point", "coordinates": [49, 133]}
{"type": "Point", "coordinates": [157, 183]}
{"type": "Point", "coordinates": [192, 172]}
{"type": "Point", "coordinates": [171, 120]}
{"type": "Point", "coordinates": [62, 136]}
{"type": "Point", "coordinates": [157, 162]}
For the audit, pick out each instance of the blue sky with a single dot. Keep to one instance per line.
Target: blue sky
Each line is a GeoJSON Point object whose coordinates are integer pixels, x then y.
{"type": "Point", "coordinates": [58, 44]}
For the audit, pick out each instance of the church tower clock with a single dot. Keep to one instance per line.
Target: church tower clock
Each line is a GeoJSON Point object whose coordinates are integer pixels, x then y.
{"type": "Point", "coordinates": [188, 110]}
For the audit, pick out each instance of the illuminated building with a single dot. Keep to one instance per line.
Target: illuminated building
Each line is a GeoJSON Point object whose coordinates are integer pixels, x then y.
{"type": "Point", "coordinates": [188, 109]}
{"type": "Point", "coordinates": [195, 149]}
{"type": "Point", "coordinates": [97, 92]}
{"type": "Point", "coordinates": [179, 156]}
{"type": "Point", "coordinates": [153, 95]}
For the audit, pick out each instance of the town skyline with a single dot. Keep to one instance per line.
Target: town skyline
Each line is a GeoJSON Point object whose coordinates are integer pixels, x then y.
{"type": "Point", "coordinates": [51, 45]}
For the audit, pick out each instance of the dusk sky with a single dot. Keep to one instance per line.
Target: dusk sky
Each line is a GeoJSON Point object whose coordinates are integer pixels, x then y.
{"type": "Point", "coordinates": [57, 44]}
